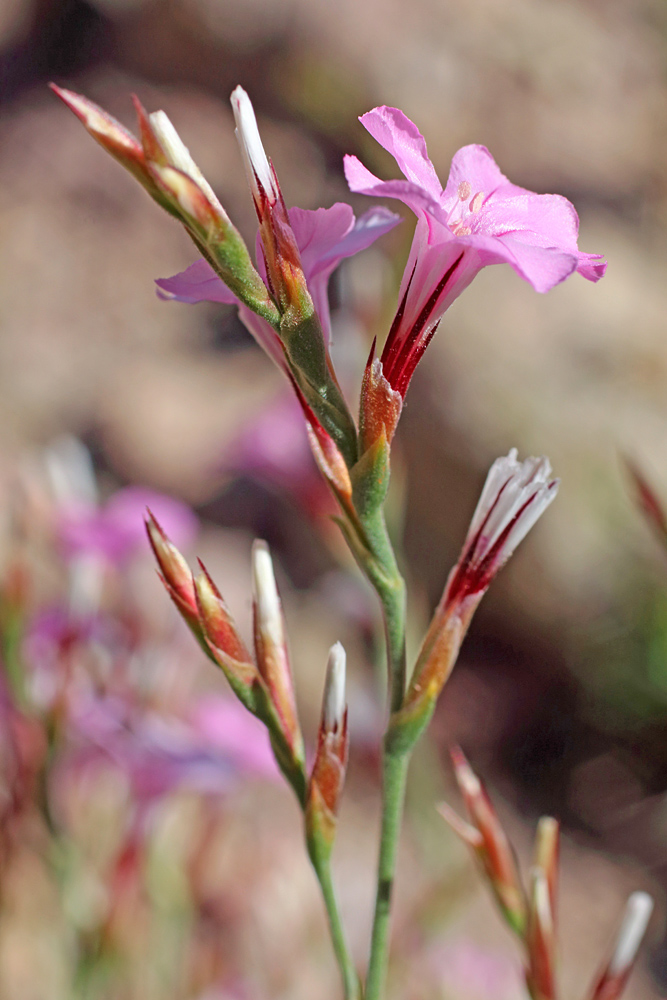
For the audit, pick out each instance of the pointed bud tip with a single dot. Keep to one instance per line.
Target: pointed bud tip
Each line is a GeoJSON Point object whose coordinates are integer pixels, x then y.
{"type": "Point", "coordinates": [541, 900]}
{"type": "Point", "coordinates": [265, 589]}
{"type": "Point", "coordinates": [465, 776]}
{"type": "Point", "coordinates": [638, 912]}
{"type": "Point", "coordinates": [256, 161]}
{"type": "Point", "coordinates": [334, 688]}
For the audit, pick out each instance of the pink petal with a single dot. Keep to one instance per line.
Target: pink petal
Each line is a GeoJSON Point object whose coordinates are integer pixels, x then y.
{"type": "Point", "coordinates": [198, 283]}
{"type": "Point", "coordinates": [328, 235]}
{"type": "Point", "coordinates": [474, 165]}
{"type": "Point", "coordinates": [417, 198]}
{"type": "Point", "coordinates": [125, 512]}
{"type": "Point", "coordinates": [401, 137]}
{"type": "Point", "coordinates": [542, 267]}
{"type": "Point", "coordinates": [591, 266]}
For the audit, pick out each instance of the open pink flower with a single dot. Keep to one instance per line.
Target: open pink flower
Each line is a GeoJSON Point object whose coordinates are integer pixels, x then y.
{"type": "Point", "coordinates": [480, 218]}
{"type": "Point", "coordinates": [324, 237]}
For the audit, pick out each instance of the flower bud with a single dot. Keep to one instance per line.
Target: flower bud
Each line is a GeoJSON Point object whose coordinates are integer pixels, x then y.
{"type": "Point", "coordinates": [540, 939]}
{"type": "Point", "coordinates": [271, 647]}
{"type": "Point", "coordinates": [514, 496]}
{"type": "Point", "coordinates": [283, 261]}
{"type": "Point", "coordinates": [547, 850]}
{"type": "Point", "coordinates": [110, 134]}
{"type": "Point", "coordinates": [485, 835]}
{"type": "Point", "coordinates": [225, 644]}
{"type": "Point", "coordinates": [163, 165]}
{"type": "Point", "coordinates": [611, 981]}
{"type": "Point", "coordinates": [175, 575]}
{"type": "Point", "coordinates": [380, 405]}
{"type": "Point", "coordinates": [328, 774]}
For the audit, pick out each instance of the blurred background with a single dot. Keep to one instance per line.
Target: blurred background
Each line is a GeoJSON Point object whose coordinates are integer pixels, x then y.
{"type": "Point", "coordinates": [560, 698]}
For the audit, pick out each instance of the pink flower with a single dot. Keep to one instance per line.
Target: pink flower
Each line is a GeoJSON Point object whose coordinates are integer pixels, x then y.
{"type": "Point", "coordinates": [514, 496]}
{"type": "Point", "coordinates": [480, 218]}
{"type": "Point", "coordinates": [206, 749]}
{"type": "Point", "coordinates": [115, 531]}
{"type": "Point", "coordinates": [324, 237]}
{"type": "Point", "coordinates": [469, 972]}
{"type": "Point", "coordinates": [272, 447]}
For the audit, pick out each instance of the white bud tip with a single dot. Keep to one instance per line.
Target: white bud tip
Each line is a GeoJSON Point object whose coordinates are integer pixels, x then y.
{"type": "Point", "coordinates": [334, 688]}
{"type": "Point", "coordinates": [266, 592]}
{"type": "Point", "coordinates": [637, 915]}
{"type": "Point", "coordinates": [247, 133]}
{"type": "Point", "coordinates": [178, 154]}
{"type": "Point", "coordinates": [541, 899]}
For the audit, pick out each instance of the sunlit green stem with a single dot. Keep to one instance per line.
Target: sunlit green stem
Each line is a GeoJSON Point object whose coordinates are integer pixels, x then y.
{"type": "Point", "coordinates": [394, 775]}
{"type": "Point", "coordinates": [351, 984]}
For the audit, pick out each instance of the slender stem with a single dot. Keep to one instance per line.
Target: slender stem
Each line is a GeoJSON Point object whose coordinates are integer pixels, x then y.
{"type": "Point", "coordinates": [383, 573]}
{"type": "Point", "coordinates": [395, 770]}
{"type": "Point", "coordinates": [351, 982]}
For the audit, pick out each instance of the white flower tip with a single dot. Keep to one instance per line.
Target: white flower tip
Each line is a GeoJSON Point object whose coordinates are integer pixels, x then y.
{"type": "Point", "coordinates": [266, 592]}
{"type": "Point", "coordinates": [467, 780]}
{"type": "Point", "coordinates": [178, 154]}
{"type": "Point", "coordinates": [635, 921]}
{"type": "Point", "coordinates": [255, 159]}
{"type": "Point", "coordinates": [541, 899]}
{"type": "Point", "coordinates": [334, 688]}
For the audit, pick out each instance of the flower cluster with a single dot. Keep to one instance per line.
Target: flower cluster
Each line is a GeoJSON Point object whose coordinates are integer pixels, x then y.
{"type": "Point", "coordinates": [477, 219]}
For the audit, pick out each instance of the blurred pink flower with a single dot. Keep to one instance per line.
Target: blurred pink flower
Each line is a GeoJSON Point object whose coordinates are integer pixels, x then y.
{"type": "Point", "coordinates": [206, 749]}
{"type": "Point", "coordinates": [324, 237]}
{"type": "Point", "coordinates": [480, 218]}
{"type": "Point", "coordinates": [467, 972]}
{"type": "Point", "coordinates": [273, 448]}
{"type": "Point", "coordinates": [115, 531]}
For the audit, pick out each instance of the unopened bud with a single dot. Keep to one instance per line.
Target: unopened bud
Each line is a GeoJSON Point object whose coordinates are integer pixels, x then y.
{"type": "Point", "coordinates": [610, 983]}
{"type": "Point", "coordinates": [281, 252]}
{"type": "Point", "coordinates": [547, 849]}
{"type": "Point", "coordinates": [380, 406]}
{"type": "Point", "coordinates": [541, 940]}
{"type": "Point", "coordinates": [328, 774]}
{"type": "Point", "coordinates": [494, 851]}
{"type": "Point", "coordinates": [164, 166]}
{"type": "Point", "coordinates": [514, 496]}
{"type": "Point", "coordinates": [333, 705]}
{"type": "Point", "coordinates": [109, 132]}
{"type": "Point", "coordinates": [258, 169]}
{"type": "Point", "coordinates": [271, 646]}
{"type": "Point", "coordinates": [223, 640]}
{"type": "Point", "coordinates": [178, 155]}
{"type": "Point", "coordinates": [175, 574]}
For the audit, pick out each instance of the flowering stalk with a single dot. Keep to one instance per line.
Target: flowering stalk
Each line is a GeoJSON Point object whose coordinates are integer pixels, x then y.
{"type": "Point", "coordinates": [514, 496]}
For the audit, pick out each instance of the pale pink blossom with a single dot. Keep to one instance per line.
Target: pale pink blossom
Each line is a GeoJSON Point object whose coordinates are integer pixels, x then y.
{"type": "Point", "coordinates": [479, 218]}
{"type": "Point", "coordinates": [325, 237]}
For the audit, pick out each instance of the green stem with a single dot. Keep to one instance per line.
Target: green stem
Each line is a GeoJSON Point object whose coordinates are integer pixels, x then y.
{"type": "Point", "coordinates": [351, 982]}
{"type": "Point", "coordinates": [395, 770]}
{"type": "Point", "coordinates": [382, 571]}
